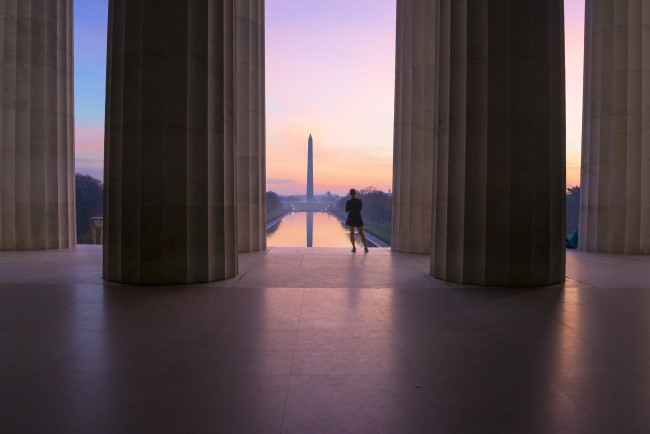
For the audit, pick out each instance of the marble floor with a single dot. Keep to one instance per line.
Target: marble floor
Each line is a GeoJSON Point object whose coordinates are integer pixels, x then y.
{"type": "Point", "coordinates": [323, 341]}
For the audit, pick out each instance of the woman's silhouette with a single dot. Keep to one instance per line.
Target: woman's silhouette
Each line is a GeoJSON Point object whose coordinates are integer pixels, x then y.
{"type": "Point", "coordinates": [353, 208]}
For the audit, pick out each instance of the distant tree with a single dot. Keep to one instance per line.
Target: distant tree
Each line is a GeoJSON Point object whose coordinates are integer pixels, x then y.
{"type": "Point", "coordinates": [366, 191]}
{"type": "Point", "coordinates": [290, 199]}
{"type": "Point", "coordinates": [273, 201]}
{"type": "Point", "coordinates": [340, 204]}
{"type": "Point", "coordinates": [90, 203]}
{"type": "Point", "coordinates": [572, 208]}
{"type": "Point", "coordinates": [274, 228]}
{"type": "Point", "coordinates": [377, 205]}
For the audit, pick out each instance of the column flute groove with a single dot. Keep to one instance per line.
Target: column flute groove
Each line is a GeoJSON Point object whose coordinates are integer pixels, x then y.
{"type": "Point", "coordinates": [500, 157]}
{"type": "Point", "coordinates": [170, 157]}
{"type": "Point", "coordinates": [615, 173]}
{"type": "Point", "coordinates": [251, 126]}
{"type": "Point", "coordinates": [414, 134]}
{"type": "Point", "coordinates": [37, 209]}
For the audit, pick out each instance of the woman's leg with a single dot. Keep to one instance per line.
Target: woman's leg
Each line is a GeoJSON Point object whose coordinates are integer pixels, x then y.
{"type": "Point", "coordinates": [363, 236]}
{"type": "Point", "coordinates": [352, 236]}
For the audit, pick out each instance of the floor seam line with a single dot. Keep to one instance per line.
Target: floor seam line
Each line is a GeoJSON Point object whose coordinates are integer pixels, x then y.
{"type": "Point", "coordinates": [83, 280]}
{"type": "Point", "coordinates": [420, 380]}
{"type": "Point", "coordinates": [293, 357]}
{"type": "Point", "coordinates": [53, 362]}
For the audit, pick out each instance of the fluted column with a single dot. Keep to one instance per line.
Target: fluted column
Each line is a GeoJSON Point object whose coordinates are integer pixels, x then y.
{"type": "Point", "coordinates": [170, 158]}
{"type": "Point", "coordinates": [615, 174]}
{"type": "Point", "coordinates": [500, 177]}
{"type": "Point", "coordinates": [251, 126]}
{"type": "Point", "coordinates": [413, 141]}
{"type": "Point", "coordinates": [36, 125]}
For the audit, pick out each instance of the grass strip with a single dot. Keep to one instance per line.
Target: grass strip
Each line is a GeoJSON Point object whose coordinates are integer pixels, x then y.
{"type": "Point", "coordinates": [275, 214]}
{"type": "Point", "coordinates": [380, 230]}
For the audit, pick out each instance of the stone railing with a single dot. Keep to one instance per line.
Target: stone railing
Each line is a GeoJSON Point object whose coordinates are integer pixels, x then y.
{"type": "Point", "coordinates": [97, 225]}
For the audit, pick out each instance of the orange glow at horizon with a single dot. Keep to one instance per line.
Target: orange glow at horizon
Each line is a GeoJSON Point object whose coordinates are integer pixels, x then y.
{"type": "Point", "coordinates": [333, 75]}
{"type": "Point", "coordinates": [330, 71]}
{"type": "Point", "coordinates": [330, 74]}
{"type": "Point", "coordinates": [574, 49]}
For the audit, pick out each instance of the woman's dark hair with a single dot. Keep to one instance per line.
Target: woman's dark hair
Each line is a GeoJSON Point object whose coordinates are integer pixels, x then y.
{"type": "Point", "coordinates": [353, 192]}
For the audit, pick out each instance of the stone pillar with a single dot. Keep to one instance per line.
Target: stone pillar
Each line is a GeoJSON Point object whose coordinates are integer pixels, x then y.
{"type": "Point", "coordinates": [500, 177]}
{"type": "Point", "coordinates": [251, 126]}
{"type": "Point", "coordinates": [170, 158]}
{"type": "Point", "coordinates": [36, 125]}
{"type": "Point", "coordinates": [615, 175]}
{"type": "Point", "coordinates": [413, 141]}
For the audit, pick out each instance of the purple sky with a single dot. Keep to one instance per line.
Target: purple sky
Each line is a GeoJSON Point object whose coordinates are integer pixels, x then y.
{"type": "Point", "coordinates": [329, 72]}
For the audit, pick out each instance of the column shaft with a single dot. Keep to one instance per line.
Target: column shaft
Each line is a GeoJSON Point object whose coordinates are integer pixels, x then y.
{"type": "Point", "coordinates": [413, 142]}
{"type": "Point", "coordinates": [36, 125]}
{"type": "Point", "coordinates": [170, 157]}
{"type": "Point", "coordinates": [615, 174]}
{"type": "Point", "coordinates": [251, 126]}
{"type": "Point", "coordinates": [500, 176]}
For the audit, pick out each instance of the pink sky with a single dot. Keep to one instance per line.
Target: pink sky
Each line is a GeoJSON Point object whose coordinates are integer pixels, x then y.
{"type": "Point", "coordinates": [330, 72]}
{"type": "Point", "coordinates": [575, 34]}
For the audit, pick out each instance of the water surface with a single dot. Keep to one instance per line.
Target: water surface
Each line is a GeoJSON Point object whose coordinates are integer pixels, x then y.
{"type": "Point", "coordinates": [310, 229]}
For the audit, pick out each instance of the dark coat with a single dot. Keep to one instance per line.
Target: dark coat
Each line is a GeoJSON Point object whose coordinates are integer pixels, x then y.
{"type": "Point", "coordinates": [353, 208]}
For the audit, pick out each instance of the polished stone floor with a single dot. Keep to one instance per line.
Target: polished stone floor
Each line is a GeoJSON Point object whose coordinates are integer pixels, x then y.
{"type": "Point", "coordinates": [322, 340]}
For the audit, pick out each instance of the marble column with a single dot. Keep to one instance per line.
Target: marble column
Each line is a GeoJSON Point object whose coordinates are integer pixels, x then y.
{"type": "Point", "coordinates": [37, 208]}
{"type": "Point", "coordinates": [413, 141]}
{"type": "Point", "coordinates": [170, 157]}
{"type": "Point", "coordinates": [251, 126]}
{"type": "Point", "coordinates": [615, 175]}
{"type": "Point", "coordinates": [500, 174]}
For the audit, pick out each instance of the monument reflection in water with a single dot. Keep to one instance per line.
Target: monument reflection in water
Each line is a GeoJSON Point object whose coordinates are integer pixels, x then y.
{"type": "Point", "coordinates": [309, 229]}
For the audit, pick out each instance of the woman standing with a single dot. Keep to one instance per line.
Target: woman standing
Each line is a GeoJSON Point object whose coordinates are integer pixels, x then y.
{"type": "Point", "coordinates": [353, 208]}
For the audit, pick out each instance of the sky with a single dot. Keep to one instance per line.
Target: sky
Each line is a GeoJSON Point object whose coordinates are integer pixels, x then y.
{"type": "Point", "coordinates": [330, 72]}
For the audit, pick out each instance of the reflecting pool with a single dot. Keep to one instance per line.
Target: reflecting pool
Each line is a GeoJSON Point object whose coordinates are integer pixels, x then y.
{"type": "Point", "coordinates": [310, 229]}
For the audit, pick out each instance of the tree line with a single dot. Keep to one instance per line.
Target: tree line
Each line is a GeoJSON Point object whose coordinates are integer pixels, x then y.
{"type": "Point", "coordinates": [89, 193]}
{"type": "Point", "coordinates": [377, 205]}
{"type": "Point", "coordinates": [273, 201]}
{"type": "Point", "coordinates": [572, 208]}
{"type": "Point", "coordinates": [90, 203]}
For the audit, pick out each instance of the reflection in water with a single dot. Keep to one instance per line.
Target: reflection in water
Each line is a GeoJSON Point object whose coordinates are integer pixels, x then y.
{"type": "Point", "coordinates": [310, 229]}
{"type": "Point", "coordinates": [273, 228]}
{"type": "Point", "coordinates": [322, 230]}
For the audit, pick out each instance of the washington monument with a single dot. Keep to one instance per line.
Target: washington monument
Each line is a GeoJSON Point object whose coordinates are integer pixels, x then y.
{"type": "Point", "coordinates": [310, 170]}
